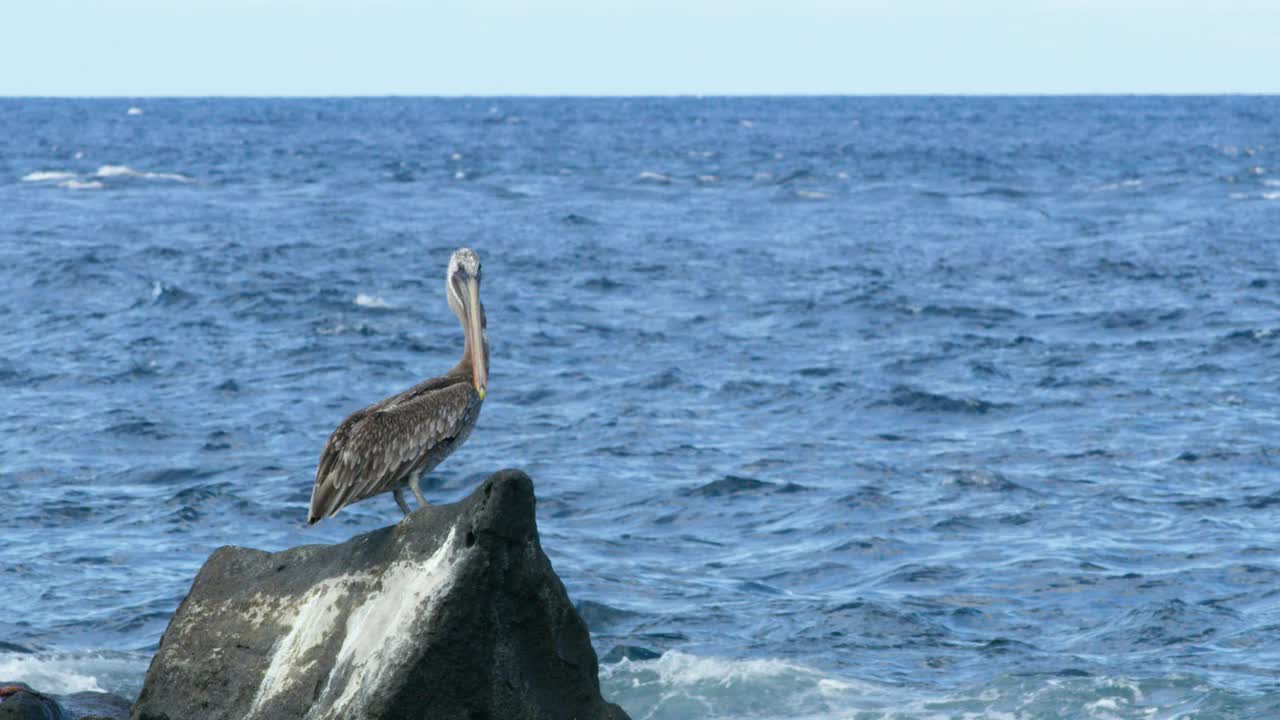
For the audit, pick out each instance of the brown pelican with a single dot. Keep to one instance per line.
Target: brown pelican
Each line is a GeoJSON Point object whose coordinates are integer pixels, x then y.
{"type": "Point", "coordinates": [390, 444]}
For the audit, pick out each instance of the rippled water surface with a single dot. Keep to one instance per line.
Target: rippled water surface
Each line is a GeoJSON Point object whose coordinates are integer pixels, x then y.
{"type": "Point", "coordinates": [915, 408]}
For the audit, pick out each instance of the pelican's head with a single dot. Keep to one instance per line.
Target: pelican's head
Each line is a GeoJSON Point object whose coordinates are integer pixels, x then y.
{"type": "Point", "coordinates": [462, 284]}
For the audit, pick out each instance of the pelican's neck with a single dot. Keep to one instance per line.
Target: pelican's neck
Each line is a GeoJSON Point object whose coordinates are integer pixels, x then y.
{"type": "Point", "coordinates": [466, 364]}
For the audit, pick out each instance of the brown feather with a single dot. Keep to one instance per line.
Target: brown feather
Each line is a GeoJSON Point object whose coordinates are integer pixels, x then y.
{"type": "Point", "coordinates": [381, 447]}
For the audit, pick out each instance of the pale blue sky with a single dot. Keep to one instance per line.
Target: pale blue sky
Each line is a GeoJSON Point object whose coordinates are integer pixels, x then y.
{"type": "Point", "coordinates": [612, 47]}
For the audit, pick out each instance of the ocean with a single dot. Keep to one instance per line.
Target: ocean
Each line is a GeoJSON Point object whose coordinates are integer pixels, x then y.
{"type": "Point", "coordinates": [883, 407]}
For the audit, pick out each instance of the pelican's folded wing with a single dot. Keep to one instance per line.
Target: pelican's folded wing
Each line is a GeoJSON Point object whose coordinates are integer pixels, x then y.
{"type": "Point", "coordinates": [374, 449]}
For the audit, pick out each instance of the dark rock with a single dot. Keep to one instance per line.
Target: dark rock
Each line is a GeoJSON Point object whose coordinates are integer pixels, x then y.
{"type": "Point", "coordinates": [19, 702]}
{"type": "Point", "coordinates": [453, 613]}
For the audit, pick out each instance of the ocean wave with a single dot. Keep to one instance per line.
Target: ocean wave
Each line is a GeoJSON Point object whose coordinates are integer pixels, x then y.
{"type": "Point", "coordinates": [66, 672]}
{"type": "Point", "coordinates": [576, 219]}
{"type": "Point", "coordinates": [680, 685]}
{"type": "Point", "coordinates": [81, 185]}
{"type": "Point", "coordinates": [372, 301]}
{"type": "Point", "coordinates": [654, 177]}
{"type": "Point", "coordinates": [165, 294]}
{"type": "Point", "coordinates": [917, 400]}
{"type": "Point", "coordinates": [734, 484]}
{"type": "Point", "coordinates": [94, 181]}
{"type": "Point", "coordinates": [112, 171]}
{"type": "Point", "coordinates": [342, 328]}
{"type": "Point", "coordinates": [48, 176]}
{"type": "Point", "coordinates": [1123, 184]}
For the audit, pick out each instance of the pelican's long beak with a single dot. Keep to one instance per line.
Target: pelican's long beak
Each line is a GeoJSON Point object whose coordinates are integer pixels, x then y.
{"type": "Point", "coordinates": [475, 337]}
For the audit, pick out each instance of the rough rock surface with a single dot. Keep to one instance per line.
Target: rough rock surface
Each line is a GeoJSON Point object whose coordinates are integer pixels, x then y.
{"type": "Point", "coordinates": [453, 613]}
{"type": "Point", "coordinates": [19, 702]}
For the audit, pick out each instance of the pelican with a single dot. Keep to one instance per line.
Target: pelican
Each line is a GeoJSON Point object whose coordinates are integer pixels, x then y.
{"type": "Point", "coordinates": [390, 444]}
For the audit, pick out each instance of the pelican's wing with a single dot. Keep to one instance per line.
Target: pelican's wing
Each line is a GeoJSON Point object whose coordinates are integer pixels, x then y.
{"type": "Point", "coordinates": [373, 449]}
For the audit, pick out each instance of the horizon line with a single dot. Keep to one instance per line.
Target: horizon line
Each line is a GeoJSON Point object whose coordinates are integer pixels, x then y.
{"type": "Point", "coordinates": [624, 96]}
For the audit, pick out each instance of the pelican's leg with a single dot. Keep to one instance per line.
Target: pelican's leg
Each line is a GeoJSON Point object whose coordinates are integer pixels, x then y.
{"type": "Point", "coordinates": [399, 493]}
{"type": "Point", "coordinates": [422, 502]}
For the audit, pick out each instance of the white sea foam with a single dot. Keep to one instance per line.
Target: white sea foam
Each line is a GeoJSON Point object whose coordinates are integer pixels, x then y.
{"type": "Point", "coordinates": [81, 185]}
{"type": "Point", "coordinates": [1130, 183]}
{"type": "Point", "coordinates": [47, 674]}
{"type": "Point", "coordinates": [1271, 196]}
{"type": "Point", "coordinates": [114, 171]}
{"type": "Point", "coordinates": [134, 111]}
{"type": "Point", "coordinates": [47, 176]}
{"type": "Point", "coordinates": [654, 177]}
{"type": "Point", "coordinates": [1272, 182]}
{"type": "Point", "coordinates": [179, 177]}
{"type": "Point", "coordinates": [372, 301]}
{"type": "Point", "coordinates": [812, 195]}
{"type": "Point", "coordinates": [63, 673]}
{"type": "Point", "coordinates": [680, 685]}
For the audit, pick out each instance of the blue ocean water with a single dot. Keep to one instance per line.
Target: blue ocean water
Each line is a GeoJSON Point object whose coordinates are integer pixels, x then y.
{"type": "Point", "coordinates": [844, 407]}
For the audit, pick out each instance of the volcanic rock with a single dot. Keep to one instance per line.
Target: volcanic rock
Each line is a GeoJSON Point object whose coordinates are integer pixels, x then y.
{"type": "Point", "coordinates": [19, 702]}
{"type": "Point", "coordinates": [453, 613]}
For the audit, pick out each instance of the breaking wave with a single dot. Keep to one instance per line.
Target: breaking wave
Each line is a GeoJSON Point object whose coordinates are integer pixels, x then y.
{"type": "Point", "coordinates": [95, 180]}
{"type": "Point", "coordinates": [372, 301]}
{"type": "Point", "coordinates": [111, 171]}
{"type": "Point", "coordinates": [47, 176]}
{"type": "Point", "coordinates": [64, 673]}
{"type": "Point", "coordinates": [680, 685]}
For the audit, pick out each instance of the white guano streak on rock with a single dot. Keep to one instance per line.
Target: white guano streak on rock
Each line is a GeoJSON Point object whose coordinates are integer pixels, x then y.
{"type": "Point", "coordinates": [313, 619]}
{"type": "Point", "coordinates": [381, 631]}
